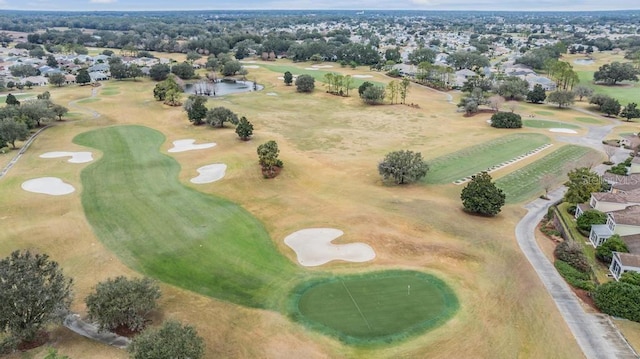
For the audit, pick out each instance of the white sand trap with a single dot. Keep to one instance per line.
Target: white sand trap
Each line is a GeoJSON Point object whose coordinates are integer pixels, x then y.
{"type": "Point", "coordinates": [312, 68]}
{"type": "Point", "coordinates": [248, 62]}
{"type": "Point", "coordinates": [188, 145]}
{"type": "Point", "coordinates": [272, 94]}
{"type": "Point", "coordinates": [76, 157]}
{"type": "Point", "coordinates": [48, 185]}
{"type": "Point", "coordinates": [322, 66]}
{"type": "Point", "coordinates": [210, 173]}
{"type": "Point", "coordinates": [562, 130]}
{"type": "Point", "coordinates": [282, 77]}
{"type": "Point", "coordinates": [251, 66]}
{"type": "Point", "coordinates": [313, 247]}
{"type": "Point", "coordinates": [362, 76]}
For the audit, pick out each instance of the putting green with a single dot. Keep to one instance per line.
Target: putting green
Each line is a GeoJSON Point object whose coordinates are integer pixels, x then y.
{"type": "Point", "coordinates": [589, 120]}
{"type": "Point", "coordinates": [377, 307]}
{"type": "Point", "coordinates": [548, 124]}
{"type": "Point", "coordinates": [137, 207]}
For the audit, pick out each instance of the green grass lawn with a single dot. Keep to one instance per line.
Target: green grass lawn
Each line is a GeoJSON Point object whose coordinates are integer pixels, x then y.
{"type": "Point", "coordinates": [589, 120]}
{"type": "Point", "coordinates": [545, 113]}
{"type": "Point", "coordinates": [140, 211]}
{"type": "Point", "coordinates": [625, 92]}
{"type": "Point", "coordinates": [374, 307]}
{"type": "Point", "coordinates": [109, 92]}
{"type": "Point", "coordinates": [471, 160]}
{"type": "Point", "coordinates": [548, 124]}
{"type": "Point", "coordinates": [317, 74]}
{"type": "Point", "coordinates": [525, 183]}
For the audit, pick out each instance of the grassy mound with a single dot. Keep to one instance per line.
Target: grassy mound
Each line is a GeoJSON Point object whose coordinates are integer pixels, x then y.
{"type": "Point", "coordinates": [137, 207]}
{"type": "Point", "coordinates": [471, 160]}
{"type": "Point", "coordinates": [373, 308]}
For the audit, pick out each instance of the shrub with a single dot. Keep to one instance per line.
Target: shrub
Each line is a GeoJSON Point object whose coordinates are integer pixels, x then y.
{"type": "Point", "coordinates": [305, 83]}
{"type": "Point", "coordinates": [574, 277]}
{"type": "Point", "coordinates": [589, 218]}
{"type": "Point", "coordinates": [506, 120]}
{"type": "Point", "coordinates": [613, 244]}
{"type": "Point", "coordinates": [572, 253]}
{"type": "Point", "coordinates": [630, 278]}
{"type": "Point", "coordinates": [403, 167]}
{"type": "Point", "coordinates": [619, 169]}
{"type": "Point", "coordinates": [619, 299]}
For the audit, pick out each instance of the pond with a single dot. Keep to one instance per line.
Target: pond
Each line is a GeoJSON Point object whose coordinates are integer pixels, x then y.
{"type": "Point", "coordinates": [583, 61]}
{"type": "Point", "coordinates": [221, 88]}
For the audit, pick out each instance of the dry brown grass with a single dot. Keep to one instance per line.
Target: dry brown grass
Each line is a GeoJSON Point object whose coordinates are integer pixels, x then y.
{"type": "Point", "coordinates": [330, 147]}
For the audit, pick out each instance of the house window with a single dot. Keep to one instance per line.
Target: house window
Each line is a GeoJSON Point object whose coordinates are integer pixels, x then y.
{"type": "Point", "coordinates": [610, 223]}
{"type": "Point", "coordinates": [615, 268]}
{"type": "Point", "coordinates": [592, 203]}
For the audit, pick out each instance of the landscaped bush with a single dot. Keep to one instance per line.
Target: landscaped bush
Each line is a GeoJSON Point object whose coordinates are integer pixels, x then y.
{"type": "Point", "coordinates": [613, 244]}
{"type": "Point", "coordinates": [572, 253]}
{"type": "Point", "coordinates": [506, 120]}
{"type": "Point", "coordinates": [619, 299]}
{"type": "Point", "coordinates": [619, 169]}
{"type": "Point", "coordinates": [589, 218]}
{"type": "Point", "coordinates": [574, 277]}
{"type": "Point", "coordinates": [631, 278]}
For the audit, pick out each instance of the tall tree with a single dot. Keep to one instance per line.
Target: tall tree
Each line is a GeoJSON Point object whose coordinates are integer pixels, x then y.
{"type": "Point", "coordinates": [83, 77]}
{"type": "Point", "coordinates": [403, 167]}
{"type": "Point", "coordinates": [482, 196]}
{"type": "Point", "coordinates": [582, 91]}
{"type": "Point", "coordinates": [196, 109]}
{"type": "Point", "coordinates": [404, 89]}
{"type": "Point", "coordinates": [268, 158]}
{"type": "Point", "coordinates": [288, 78]}
{"type": "Point", "coordinates": [421, 55]}
{"type": "Point", "coordinates": [392, 91]}
{"type": "Point", "coordinates": [122, 302]}
{"type": "Point", "coordinates": [159, 72]}
{"type": "Point", "coordinates": [537, 95]}
{"type": "Point", "coordinates": [244, 129]}
{"type": "Point", "coordinates": [59, 111]}
{"type": "Point", "coordinates": [582, 182]}
{"type": "Point", "coordinates": [630, 111]}
{"type": "Point", "coordinates": [562, 98]}
{"type": "Point", "coordinates": [611, 107]}
{"type": "Point", "coordinates": [12, 131]}
{"type": "Point", "coordinates": [57, 79]}
{"type": "Point", "coordinates": [35, 293]}
{"type": "Point", "coordinates": [171, 341]}
{"type": "Point", "coordinates": [615, 72]}
{"type": "Point", "coordinates": [217, 116]}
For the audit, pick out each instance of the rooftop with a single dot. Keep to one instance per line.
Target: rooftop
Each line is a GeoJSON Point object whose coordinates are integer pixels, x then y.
{"type": "Point", "coordinates": [628, 216]}
{"type": "Point", "coordinates": [629, 260]}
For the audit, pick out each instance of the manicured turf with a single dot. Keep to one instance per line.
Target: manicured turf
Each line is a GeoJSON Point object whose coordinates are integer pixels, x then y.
{"type": "Point", "coordinates": [317, 74]}
{"type": "Point", "coordinates": [625, 92]}
{"type": "Point", "coordinates": [545, 113]}
{"type": "Point", "coordinates": [589, 120]}
{"type": "Point", "coordinates": [471, 160]}
{"type": "Point", "coordinates": [375, 307]}
{"type": "Point", "coordinates": [137, 207]}
{"type": "Point", "coordinates": [547, 124]}
{"type": "Point", "coordinates": [89, 100]}
{"type": "Point", "coordinates": [524, 183]}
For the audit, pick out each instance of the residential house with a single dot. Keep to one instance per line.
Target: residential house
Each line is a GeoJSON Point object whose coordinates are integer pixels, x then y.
{"type": "Point", "coordinates": [98, 76]}
{"type": "Point", "coordinates": [463, 75]}
{"type": "Point", "coordinates": [547, 84]}
{"type": "Point", "coordinates": [609, 201]}
{"type": "Point", "coordinates": [35, 80]}
{"type": "Point", "coordinates": [622, 183]}
{"type": "Point", "coordinates": [625, 222]}
{"type": "Point", "coordinates": [624, 262]}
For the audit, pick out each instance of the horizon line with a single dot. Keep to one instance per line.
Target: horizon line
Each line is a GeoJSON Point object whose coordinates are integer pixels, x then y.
{"type": "Point", "coordinates": [311, 10]}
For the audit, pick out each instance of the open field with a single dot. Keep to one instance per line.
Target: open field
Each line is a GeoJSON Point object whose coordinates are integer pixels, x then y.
{"type": "Point", "coordinates": [624, 92]}
{"type": "Point", "coordinates": [319, 74]}
{"type": "Point", "coordinates": [471, 160]}
{"type": "Point", "coordinates": [527, 182]}
{"type": "Point", "coordinates": [374, 307]}
{"type": "Point", "coordinates": [330, 147]}
{"type": "Point", "coordinates": [547, 124]}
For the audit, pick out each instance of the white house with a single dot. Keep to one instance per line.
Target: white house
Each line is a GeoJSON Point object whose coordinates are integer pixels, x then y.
{"type": "Point", "coordinates": [609, 201]}
{"type": "Point", "coordinates": [625, 222]}
{"type": "Point", "coordinates": [624, 262]}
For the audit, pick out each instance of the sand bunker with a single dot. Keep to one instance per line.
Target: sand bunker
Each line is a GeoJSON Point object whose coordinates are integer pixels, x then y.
{"type": "Point", "coordinates": [282, 77]}
{"type": "Point", "coordinates": [251, 66]}
{"type": "Point", "coordinates": [76, 157]}
{"type": "Point", "coordinates": [322, 66]}
{"type": "Point", "coordinates": [248, 62]}
{"type": "Point", "coordinates": [362, 76]}
{"type": "Point", "coordinates": [188, 145]}
{"type": "Point", "coordinates": [312, 68]}
{"type": "Point", "coordinates": [272, 94]}
{"type": "Point", "coordinates": [562, 130]}
{"type": "Point", "coordinates": [210, 173]}
{"type": "Point", "coordinates": [313, 247]}
{"type": "Point", "coordinates": [48, 185]}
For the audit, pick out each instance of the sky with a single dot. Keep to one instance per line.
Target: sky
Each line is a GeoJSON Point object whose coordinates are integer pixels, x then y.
{"type": "Point", "coordinates": [513, 5]}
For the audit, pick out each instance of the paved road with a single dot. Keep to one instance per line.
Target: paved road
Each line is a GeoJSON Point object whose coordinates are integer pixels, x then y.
{"type": "Point", "coordinates": [595, 333]}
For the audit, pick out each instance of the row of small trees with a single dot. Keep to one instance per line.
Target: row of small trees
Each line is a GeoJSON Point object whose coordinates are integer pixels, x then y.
{"type": "Point", "coordinates": [198, 114]}
{"type": "Point", "coordinates": [36, 293]}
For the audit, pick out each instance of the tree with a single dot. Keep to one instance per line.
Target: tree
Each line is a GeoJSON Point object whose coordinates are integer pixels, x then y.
{"type": "Point", "coordinates": [615, 72]}
{"type": "Point", "coordinates": [572, 253]}
{"type": "Point", "coordinates": [506, 120]}
{"type": "Point", "coordinates": [373, 95]}
{"type": "Point", "coordinates": [133, 71]}
{"type": "Point", "coordinates": [196, 109]}
{"type": "Point", "coordinates": [537, 95]}
{"type": "Point", "coordinates": [122, 302]}
{"type": "Point", "coordinates": [12, 100]}
{"type": "Point", "coordinates": [51, 61]}
{"type": "Point", "coordinates": [29, 84]}
{"type": "Point", "coordinates": [363, 87]}
{"type": "Point", "coordinates": [305, 83]}
{"type": "Point", "coordinates": [599, 99]}
{"type": "Point", "coordinates": [159, 72]}
{"type": "Point", "coordinates": [474, 82]}
{"type": "Point", "coordinates": [467, 60]}
{"type": "Point", "coordinates": [183, 70]}
{"type": "Point", "coordinates": [118, 70]}
{"type": "Point", "coordinates": [59, 111]}
{"type": "Point", "coordinates": [403, 167]}
{"type": "Point", "coordinates": [421, 55]}
{"type": "Point", "coordinates": [35, 293]}
{"type": "Point", "coordinates": [268, 159]}
{"type": "Point", "coordinates": [619, 299]}
{"type": "Point", "coordinates": [495, 102]}
{"type": "Point", "coordinates": [513, 88]}
{"type": "Point", "coordinates": [630, 112]}
{"type": "Point", "coordinates": [172, 340]}
{"type": "Point", "coordinates": [193, 56]}
{"type": "Point", "coordinates": [12, 131]}
{"type": "Point", "coordinates": [392, 91]}
{"type": "Point", "coordinates": [604, 252]}
{"type": "Point", "coordinates": [231, 68]}
{"type": "Point", "coordinates": [611, 107]}
{"type": "Point", "coordinates": [35, 112]}
{"type": "Point", "coordinates": [562, 98]}
{"type": "Point", "coordinates": [83, 77]}
{"type": "Point", "coordinates": [217, 116]}
{"type": "Point", "coordinates": [244, 129]}
{"type": "Point", "coordinates": [404, 89]}
{"type": "Point", "coordinates": [288, 78]}
{"type": "Point", "coordinates": [57, 79]}
{"type": "Point", "coordinates": [481, 196]}
{"type": "Point", "coordinates": [162, 89]}
{"type": "Point", "coordinates": [582, 182]}
{"type": "Point", "coordinates": [582, 91]}
{"type": "Point", "coordinates": [589, 218]}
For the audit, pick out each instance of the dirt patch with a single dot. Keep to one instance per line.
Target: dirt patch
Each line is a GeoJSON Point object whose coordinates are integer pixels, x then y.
{"type": "Point", "coordinates": [41, 338]}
